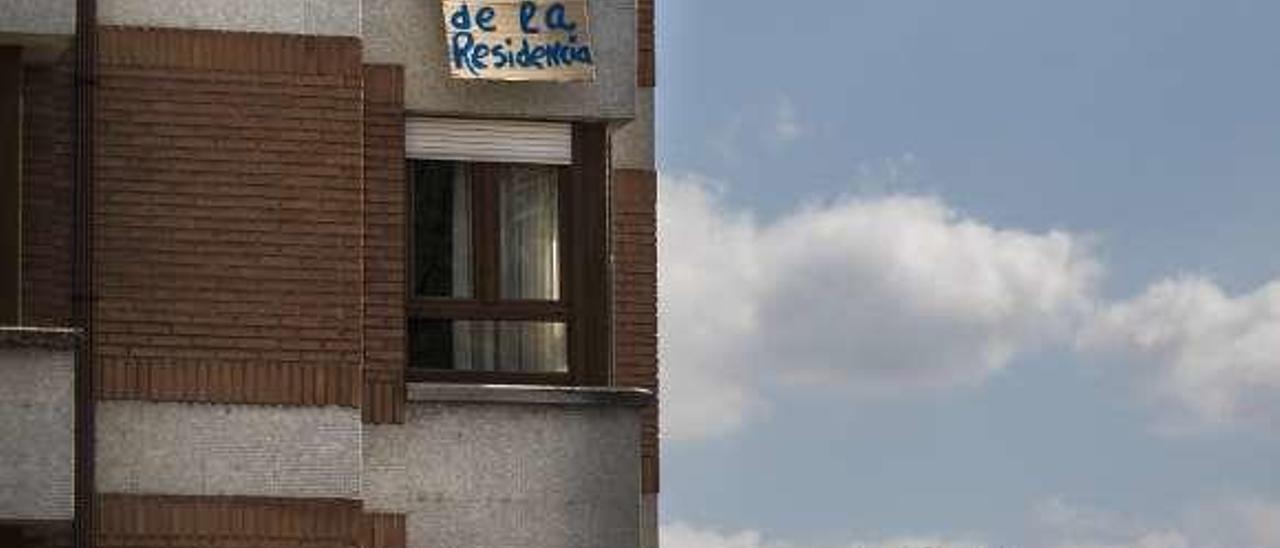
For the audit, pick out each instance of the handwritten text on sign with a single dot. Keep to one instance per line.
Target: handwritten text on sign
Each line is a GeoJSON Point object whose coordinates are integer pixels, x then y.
{"type": "Point", "coordinates": [519, 40]}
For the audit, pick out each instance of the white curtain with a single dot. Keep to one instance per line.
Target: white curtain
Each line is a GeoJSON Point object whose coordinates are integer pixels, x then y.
{"type": "Point", "coordinates": [529, 269]}
{"type": "Point", "coordinates": [530, 232]}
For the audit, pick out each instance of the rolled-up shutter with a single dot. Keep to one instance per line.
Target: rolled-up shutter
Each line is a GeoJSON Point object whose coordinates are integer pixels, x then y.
{"type": "Point", "coordinates": [473, 140]}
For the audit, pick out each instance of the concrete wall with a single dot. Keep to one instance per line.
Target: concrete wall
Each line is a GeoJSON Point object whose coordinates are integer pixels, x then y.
{"type": "Point", "coordinates": [317, 17]}
{"type": "Point", "coordinates": [28, 17]}
{"type": "Point", "coordinates": [633, 143]}
{"type": "Point", "coordinates": [37, 428]}
{"type": "Point", "coordinates": [203, 449]}
{"type": "Point", "coordinates": [411, 33]}
{"type": "Point", "coordinates": [540, 471]}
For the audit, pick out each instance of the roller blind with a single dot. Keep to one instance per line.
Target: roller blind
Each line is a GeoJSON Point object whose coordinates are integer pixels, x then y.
{"type": "Point", "coordinates": [472, 140]}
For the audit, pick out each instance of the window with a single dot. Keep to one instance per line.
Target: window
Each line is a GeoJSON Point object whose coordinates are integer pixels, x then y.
{"type": "Point", "coordinates": [503, 277]}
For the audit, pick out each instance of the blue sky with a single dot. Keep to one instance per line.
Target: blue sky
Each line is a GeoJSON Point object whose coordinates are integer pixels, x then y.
{"type": "Point", "coordinates": [986, 273]}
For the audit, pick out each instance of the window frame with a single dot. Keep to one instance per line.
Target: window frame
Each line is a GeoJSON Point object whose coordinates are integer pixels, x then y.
{"type": "Point", "coordinates": [583, 264]}
{"type": "Point", "coordinates": [11, 143]}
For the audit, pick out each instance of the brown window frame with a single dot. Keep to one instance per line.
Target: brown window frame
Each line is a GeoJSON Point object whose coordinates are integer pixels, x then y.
{"type": "Point", "coordinates": [11, 185]}
{"type": "Point", "coordinates": [583, 258]}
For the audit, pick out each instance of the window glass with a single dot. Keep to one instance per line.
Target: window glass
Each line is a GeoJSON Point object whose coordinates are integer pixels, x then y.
{"type": "Point", "coordinates": [529, 230]}
{"type": "Point", "coordinates": [506, 346]}
{"type": "Point", "coordinates": [486, 269]}
{"type": "Point", "coordinates": [442, 229]}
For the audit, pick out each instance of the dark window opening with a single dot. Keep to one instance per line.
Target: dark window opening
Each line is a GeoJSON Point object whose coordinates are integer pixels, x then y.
{"type": "Point", "coordinates": [507, 269]}
{"type": "Point", "coordinates": [486, 269]}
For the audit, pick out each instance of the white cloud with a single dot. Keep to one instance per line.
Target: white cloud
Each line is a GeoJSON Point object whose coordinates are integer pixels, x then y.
{"type": "Point", "coordinates": [1256, 519]}
{"type": "Point", "coordinates": [1067, 525]}
{"type": "Point", "coordinates": [872, 297]}
{"type": "Point", "coordinates": [1231, 522]}
{"type": "Point", "coordinates": [786, 124]}
{"type": "Point", "coordinates": [1161, 539]}
{"type": "Point", "coordinates": [918, 542]}
{"type": "Point", "coordinates": [706, 264]}
{"type": "Point", "coordinates": [724, 141]}
{"type": "Point", "coordinates": [1241, 522]}
{"type": "Point", "coordinates": [1060, 517]}
{"type": "Point", "coordinates": [1214, 359]}
{"type": "Point", "coordinates": [681, 535]}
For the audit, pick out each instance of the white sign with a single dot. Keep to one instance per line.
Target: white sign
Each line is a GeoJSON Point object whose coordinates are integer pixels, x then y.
{"type": "Point", "coordinates": [519, 40]}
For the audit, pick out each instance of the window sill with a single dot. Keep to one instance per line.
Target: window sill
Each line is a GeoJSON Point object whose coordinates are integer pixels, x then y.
{"type": "Point", "coordinates": [56, 339]}
{"type": "Point", "coordinates": [419, 392]}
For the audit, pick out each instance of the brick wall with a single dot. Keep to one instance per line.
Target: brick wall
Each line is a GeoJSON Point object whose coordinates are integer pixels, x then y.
{"type": "Point", "coordinates": [227, 217]}
{"type": "Point", "coordinates": [635, 300]}
{"type": "Point", "coordinates": [384, 266]}
{"type": "Point", "coordinates": [128, 521]}
{"type": "Point", "coordinates": [48, 157]}
{"type": "Point", "coordinates": [383, 531]}
{"type": "Point", "coordinates": [646, 50]}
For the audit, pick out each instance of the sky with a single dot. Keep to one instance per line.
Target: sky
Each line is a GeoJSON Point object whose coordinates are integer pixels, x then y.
{"type": "Point", "coordinates": [982, 274]}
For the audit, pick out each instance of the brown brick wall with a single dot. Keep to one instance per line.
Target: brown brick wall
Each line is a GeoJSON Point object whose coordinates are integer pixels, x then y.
{"type": "Point", "coordinates": [132, 521]}
{"type": "Point", "coordinates": [635, 299]}
{"type": "Point", "coordinates": [384, 266]}
{"type": "Point", "coordinates": [646, 51]}
{"type": "Point", "coordinates": [227, 217]}
{"type": "Point", "coordinates": [47, 200]}
{"type": "Point", "coordinates": [383, 531]}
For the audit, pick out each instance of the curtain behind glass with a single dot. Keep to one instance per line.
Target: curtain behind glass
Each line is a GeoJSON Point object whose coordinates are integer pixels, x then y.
{"type": "Point", "coordinates": [529, 232]}
{"type": "Point", "coordinates": [529, 268]}
{"type": "Point", "coordinates": [528, 347]}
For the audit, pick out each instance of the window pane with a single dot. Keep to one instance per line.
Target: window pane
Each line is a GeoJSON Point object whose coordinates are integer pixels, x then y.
{"type": "Point", "coordinates": [528, 347]}
{"type": "Point", "coordinates": [441, 229]}
{"type": "Point", "coordinates": [530, 232]}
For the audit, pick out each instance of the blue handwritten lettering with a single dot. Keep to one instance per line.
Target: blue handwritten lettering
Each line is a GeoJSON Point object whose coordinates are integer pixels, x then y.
{"type": "Point", "coordinates": [484, 19]}
{"type": "Point", "coordinates": [501, 56]}
{"type": "Point", "coordinates": [461, 18]}
{"type": "Point", "coordinates": [474, 49]}
{"type": "Point", "coordinates": [463, 43]}
{"type": "Point", "coordinates": [530, 56]}
{"type": "Point", "coordinates": [583, 55]}
{"type": "Point", "coordinates": [557, 19]}
{"type": "Point", "coordinates": [528, 10]}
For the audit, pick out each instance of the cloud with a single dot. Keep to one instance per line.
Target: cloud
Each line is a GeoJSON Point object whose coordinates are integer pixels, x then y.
{"type": "Point", "coordinates": [1212, 358]}
{"type": "Point", "coordinates": [1061, 517]}
{"type": "Point", "coordinates": [724, 142]}
{"type": "Point", "coordinates": [786, 123]}
{"type": "Point", "coordinates": [1164, 539]}
{"type": "Point", "coordinates": [871, 297]}
{"type": "Point", "coordinates": [888, 295]}
{"type": "Point", "coordinates": [1067, 525]}
{"type": "Point", "coordinates": [706, 264]}
{"type": "Point", "coordinates": [681, 535]}
{"type": "Point", "coordinates": [1227, 523]}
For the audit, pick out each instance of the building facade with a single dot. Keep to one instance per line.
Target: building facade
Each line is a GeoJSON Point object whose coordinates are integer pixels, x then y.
{"type": "Point", "coordinates": [327, 273]}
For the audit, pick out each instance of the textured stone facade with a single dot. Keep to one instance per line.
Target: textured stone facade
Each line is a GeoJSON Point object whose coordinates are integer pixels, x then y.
{"type": "Point", "coordinates": [37, 423]}
{"type": "Point", "coordinates": [228, 450]}
{"type": "Point", "coordinates": [313, 17]}
{"type": "Point", "coordinates": [545, 474]}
